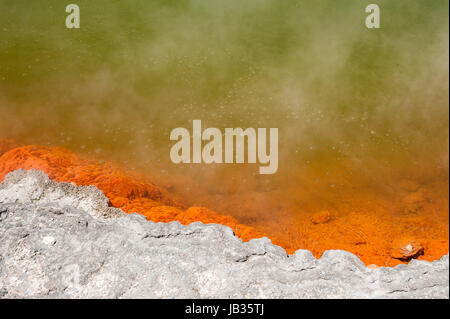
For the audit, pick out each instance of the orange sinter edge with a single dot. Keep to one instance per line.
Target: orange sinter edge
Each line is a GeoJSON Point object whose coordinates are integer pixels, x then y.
{"type": "Point", "coordinates": [322, 231]}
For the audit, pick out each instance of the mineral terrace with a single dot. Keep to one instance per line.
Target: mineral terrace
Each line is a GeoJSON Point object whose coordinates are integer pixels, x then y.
{"type": "Point", "coordinates": [63, 241]}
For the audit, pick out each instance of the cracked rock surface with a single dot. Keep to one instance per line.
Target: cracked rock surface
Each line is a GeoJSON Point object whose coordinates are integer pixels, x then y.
{"type": "Point", "coordinates": [59, 240]}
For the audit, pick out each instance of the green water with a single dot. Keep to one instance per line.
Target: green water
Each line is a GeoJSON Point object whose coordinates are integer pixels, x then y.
{"type": "Point", "coordinates": [337, 91]}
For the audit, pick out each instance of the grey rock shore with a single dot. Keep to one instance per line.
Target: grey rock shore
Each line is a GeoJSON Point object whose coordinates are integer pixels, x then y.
{"type": "Point", "coordinates": [62, 241]}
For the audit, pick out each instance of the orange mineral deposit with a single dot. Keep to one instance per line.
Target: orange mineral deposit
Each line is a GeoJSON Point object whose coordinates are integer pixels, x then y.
{"type": "Point", "coordinates": [380, 233]}
{"type": "Point", "coordinates": [321, 217]}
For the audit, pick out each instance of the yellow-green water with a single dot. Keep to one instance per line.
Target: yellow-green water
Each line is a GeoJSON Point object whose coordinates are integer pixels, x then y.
{"type": "Point", "coordinates": [348, 101]}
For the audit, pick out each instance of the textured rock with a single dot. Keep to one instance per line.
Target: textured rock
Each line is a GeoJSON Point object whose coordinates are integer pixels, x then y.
{"type": "Point", "coordinates": [60, 240]}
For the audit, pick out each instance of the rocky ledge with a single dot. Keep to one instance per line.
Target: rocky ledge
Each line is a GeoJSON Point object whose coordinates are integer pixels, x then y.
{"type": "Point", "coordinates": [58, 240]}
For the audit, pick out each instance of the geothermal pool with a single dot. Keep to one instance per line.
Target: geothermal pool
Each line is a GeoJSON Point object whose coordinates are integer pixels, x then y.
{"type": "Point", "coordinates": [362, 115]}
{"type": "Point", "coordinates": [381, 232]}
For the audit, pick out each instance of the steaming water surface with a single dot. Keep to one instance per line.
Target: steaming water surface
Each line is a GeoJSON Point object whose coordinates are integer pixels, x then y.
{"type": "Point", "coordinates": [361, 113]}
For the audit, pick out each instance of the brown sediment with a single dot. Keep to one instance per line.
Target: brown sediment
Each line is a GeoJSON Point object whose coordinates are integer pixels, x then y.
{"type": "Point", "coordinates": [406, 249]}
{"type": "Point", "coordinates": [381, 234]}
